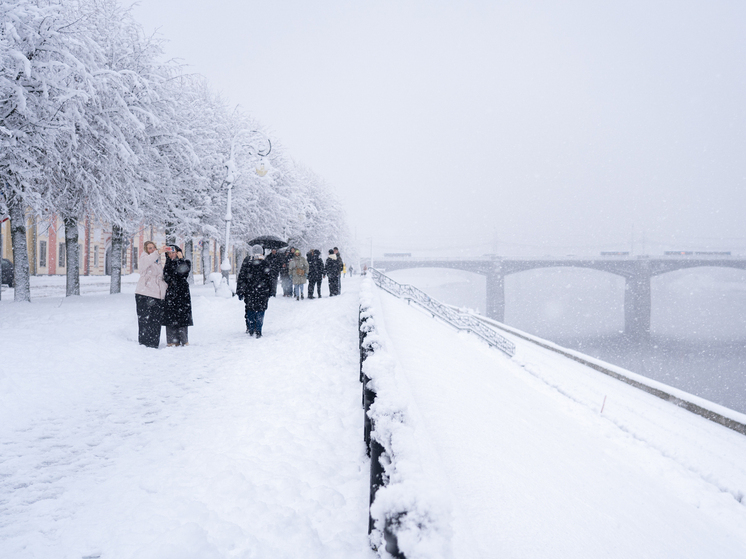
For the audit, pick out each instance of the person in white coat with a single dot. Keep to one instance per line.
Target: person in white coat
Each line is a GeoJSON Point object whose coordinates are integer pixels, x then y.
{"type": "Point", "coordinates": [149, 295]}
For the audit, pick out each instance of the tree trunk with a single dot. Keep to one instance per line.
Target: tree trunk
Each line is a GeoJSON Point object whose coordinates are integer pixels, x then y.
{"type": "Point", "coordinates": [205, 260]}
{"type": "Point", "coordinates": [189, 254]}
{"type": "Point", "coordinates": [20, 249]}
{"type": "Point", "coordinates": [117, 241]}
{"type": "Point", "coordinates": [71, 256]}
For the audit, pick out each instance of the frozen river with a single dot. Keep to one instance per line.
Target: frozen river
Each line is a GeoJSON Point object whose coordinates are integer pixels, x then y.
{"type": "Point", "coordinates": [698, 341]}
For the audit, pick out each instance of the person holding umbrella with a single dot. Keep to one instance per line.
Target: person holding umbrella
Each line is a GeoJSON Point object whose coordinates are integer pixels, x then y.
{"type": "Point", "coordinates": [274, 259]}
{"type": "Point", "coordinates": [253, 288]}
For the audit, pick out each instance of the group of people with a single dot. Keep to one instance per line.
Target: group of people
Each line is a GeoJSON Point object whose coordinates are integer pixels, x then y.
{"type": "Point", "coordinates": [294, 271]}
{"type": "Point", "coordinates": [297, 270]}
{"type": "Point", "coordinates": [257, 280]}
{"type": "Point", "coordinates": [162, 295]}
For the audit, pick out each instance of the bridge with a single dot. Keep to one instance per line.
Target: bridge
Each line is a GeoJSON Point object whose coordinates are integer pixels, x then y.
{"type": "Point", "coordinates": [636, 270]}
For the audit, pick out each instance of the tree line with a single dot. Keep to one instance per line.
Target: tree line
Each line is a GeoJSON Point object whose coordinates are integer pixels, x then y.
{"type": "Point", "coordinates": [94, 123]}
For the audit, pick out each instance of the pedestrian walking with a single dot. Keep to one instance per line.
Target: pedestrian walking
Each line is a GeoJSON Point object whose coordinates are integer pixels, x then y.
{"type": "Point", "coordinates": [315, 273]}
{"type": "Point", "coordinates": [285, 279]}
{"type": "Point", "coordinates": [275, 263]}
{"type": "Point", "coordinates": [298, 268]}
{"type": "Point", "coordinates": [332, 270]}
{"type": "Point", "coordinates": [149, 294]}
{"type": "Point", "coordinates": [177, 312]}
{"type": "Point", "coordinates": [253, 287]}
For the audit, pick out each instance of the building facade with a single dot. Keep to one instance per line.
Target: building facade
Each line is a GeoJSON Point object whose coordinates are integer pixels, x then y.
{"type": "Point", "coordinates": [45, 239]}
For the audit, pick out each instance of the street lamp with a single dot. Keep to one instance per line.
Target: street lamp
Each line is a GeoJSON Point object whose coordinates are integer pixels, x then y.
{"type": "Point", "coordinates": [230, 176]}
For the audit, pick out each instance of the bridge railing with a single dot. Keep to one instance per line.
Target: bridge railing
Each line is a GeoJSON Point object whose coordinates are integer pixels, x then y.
{"type": "Point", "coordinates": [453, 317]}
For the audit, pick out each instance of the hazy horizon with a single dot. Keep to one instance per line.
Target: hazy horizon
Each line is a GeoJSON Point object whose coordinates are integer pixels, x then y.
{"type": "Point", "coordinates": [479, 127]}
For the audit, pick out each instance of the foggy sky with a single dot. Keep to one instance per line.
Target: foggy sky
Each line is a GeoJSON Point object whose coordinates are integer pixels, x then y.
{"type": "Point", "coordinates": [508, 127]}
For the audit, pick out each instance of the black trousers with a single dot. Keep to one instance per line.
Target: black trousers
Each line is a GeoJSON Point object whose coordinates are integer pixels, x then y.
{"type": "Point", "coordinates": [311, 284]}
{"type": "Point", "coordinates": [149, 320]}
{"type": "Point", "coordinates": [333, 285]}
{"type": "Point", "coordinates": [273, 286]}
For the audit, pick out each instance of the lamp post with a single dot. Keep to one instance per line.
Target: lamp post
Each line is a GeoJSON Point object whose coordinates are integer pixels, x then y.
{"type": "Point", "coordinates": [230, 176]}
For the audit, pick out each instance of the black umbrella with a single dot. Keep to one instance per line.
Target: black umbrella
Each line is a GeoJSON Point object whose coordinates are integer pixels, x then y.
{"type": "Point", "coordinates": [268, 241]}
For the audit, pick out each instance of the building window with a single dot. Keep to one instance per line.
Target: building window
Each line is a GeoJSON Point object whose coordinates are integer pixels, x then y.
{"type": "Point", "coordinates": [134, 258]}
{"type": "Point", "coordinates": [43, 254]}
{"type": "Point", "coordinates": [124, 256]}
{"type": "Point", "coordinates": [61, 259]}
{"type": "Point", "coordinates": [95, 256]}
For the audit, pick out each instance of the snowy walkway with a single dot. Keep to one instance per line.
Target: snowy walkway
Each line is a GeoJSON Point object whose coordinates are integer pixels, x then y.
{"type": "Point", "coordinates": [534, 470]}
{"type": "Point", "coordinates": [242, 448]}
{"type": "Point", "coordinates": [231, 447]}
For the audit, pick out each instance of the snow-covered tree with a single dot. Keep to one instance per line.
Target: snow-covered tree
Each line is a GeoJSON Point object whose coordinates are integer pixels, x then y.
{"type": "Point", "coordinates": [92, 124]}
{"type": "Point", "coordinates": [41, 81]}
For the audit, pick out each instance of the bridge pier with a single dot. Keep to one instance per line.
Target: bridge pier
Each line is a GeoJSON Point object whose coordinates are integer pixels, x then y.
{"type": "Point", "coordinates": [637, 302]}
{"type": "Point", "coordinates": [496, 293]}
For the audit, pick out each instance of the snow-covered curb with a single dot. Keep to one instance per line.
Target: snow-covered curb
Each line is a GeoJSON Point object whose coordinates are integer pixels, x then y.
{"type": "Point", "coordinates": [410, 515]}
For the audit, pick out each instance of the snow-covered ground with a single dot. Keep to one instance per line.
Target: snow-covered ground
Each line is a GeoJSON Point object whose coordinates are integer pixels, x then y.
{"type": "Point", "coordinates": [230, 447]}
{"type": "Point", "coordinates": [241, 448]}
{"type": "Point", "coordinates": [533, 468]}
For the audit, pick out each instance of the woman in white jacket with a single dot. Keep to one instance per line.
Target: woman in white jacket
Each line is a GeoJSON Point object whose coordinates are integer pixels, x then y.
{"type": "Point", "coordinates": [149, 295]}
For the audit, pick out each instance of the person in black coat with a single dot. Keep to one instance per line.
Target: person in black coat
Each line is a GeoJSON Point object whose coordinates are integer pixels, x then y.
{"type": "Point", "coordinates": [315, 272]}
{"type": "Point", "coordinates": [253, 288]}
{"type": "Point", "coordinates": [333, 269]}
{"type": "Point", "coordinates": [285, 280]}
{"type": "Point", "coordinates": [275, 263]}
{"type": "Point", "coordinates": [341, 265]}
{"type": "Point", "coordinates": [177, 309]}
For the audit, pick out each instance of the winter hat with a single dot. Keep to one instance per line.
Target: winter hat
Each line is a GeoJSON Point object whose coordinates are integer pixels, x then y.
{"type": "Point", "coordinates": [297, 251]}
{"type": "Point", "coordinates": [257, 249]}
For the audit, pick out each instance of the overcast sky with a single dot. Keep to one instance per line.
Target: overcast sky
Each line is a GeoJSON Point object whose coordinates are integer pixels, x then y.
{"type": "Point", "coordinates": [495, 126]}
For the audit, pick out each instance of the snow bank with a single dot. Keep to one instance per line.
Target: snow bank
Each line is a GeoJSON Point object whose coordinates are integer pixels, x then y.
{"type": "Point", "coordinates": [411, 504]}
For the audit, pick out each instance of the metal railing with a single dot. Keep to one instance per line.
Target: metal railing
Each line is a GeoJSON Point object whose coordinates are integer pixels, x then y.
{"type": "Point", "coordinates": [453, 317]}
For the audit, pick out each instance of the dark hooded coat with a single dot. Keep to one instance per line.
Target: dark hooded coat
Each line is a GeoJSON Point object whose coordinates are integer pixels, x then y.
{"type": "Point", "coordinates": [253, 283]}
{"type": "Point", "coordinates": [177, 308]}
{"type": "Point", "coordinates": [315, 266]}
{"type": "Point", "coordinates": [333, 266]}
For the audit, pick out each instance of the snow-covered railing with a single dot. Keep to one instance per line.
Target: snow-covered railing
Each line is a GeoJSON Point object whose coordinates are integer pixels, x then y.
{"type": "Point", "coordinates": [408, 517]}
{"type": "Point", "coordinates": [445, 312]}
{"type": "Point", "coordinates": [368, 345]}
